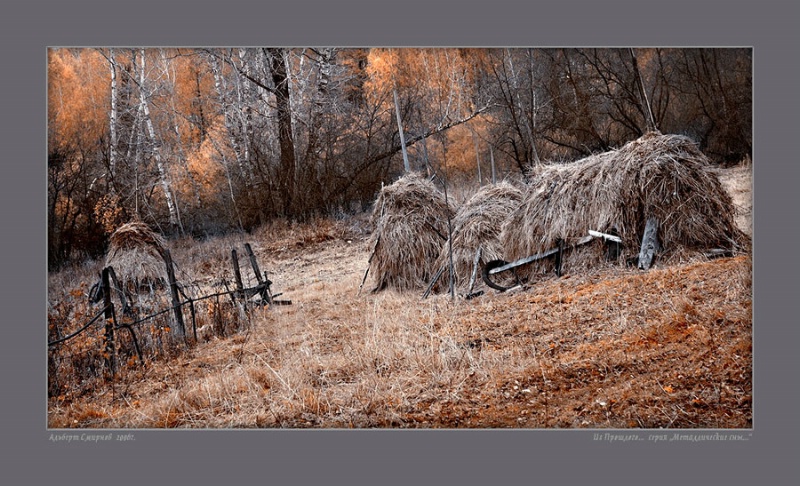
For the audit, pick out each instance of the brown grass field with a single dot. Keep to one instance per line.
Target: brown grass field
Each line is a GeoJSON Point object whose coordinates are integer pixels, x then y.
{"type": "Point", "coordinates": [614, 347]}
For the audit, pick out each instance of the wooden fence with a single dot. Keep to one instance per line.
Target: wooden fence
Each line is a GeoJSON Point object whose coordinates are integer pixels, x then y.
{"type": "Point", "coordinates": [114, 299]}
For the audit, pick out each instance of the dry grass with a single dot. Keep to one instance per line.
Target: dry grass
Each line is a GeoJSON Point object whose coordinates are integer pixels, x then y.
{"type": "Point", "coordinates": [660, 176]}
{"type": "Point", "coordinates": [477, 224]}
{"type": "Point", "coordinates": [613, 347]}
{"type": "Point", "coordinates": [410, 223]}
{"type": "Point", "coordinates": [738, 182]}
{"type": "Point", "coordinates": [137, 254]}
{"type": "Point", "coordinates": [622, 350]}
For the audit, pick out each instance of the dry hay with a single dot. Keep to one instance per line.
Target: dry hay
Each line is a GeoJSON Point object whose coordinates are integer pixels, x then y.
{"type": "Point", "coordinates": [410, 221]}
{"type": "Point", "coordinates": [137, 255]}
{"type": "Point", "coordinates": [477, 224]}
{"type": "Point", "coordinates": [661, 176]}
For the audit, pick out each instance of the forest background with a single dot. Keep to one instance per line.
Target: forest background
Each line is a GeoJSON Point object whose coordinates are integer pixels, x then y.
{"type": "Point", "coordinates": [203, 141]}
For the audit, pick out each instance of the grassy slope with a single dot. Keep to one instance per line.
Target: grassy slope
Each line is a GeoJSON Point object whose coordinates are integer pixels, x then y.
{"type": "Point", "coordinates": [616, 348]}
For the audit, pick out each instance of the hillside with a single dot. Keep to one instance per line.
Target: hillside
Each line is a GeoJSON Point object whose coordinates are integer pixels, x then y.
{"type": "Point", "coordinates": [613, 348]}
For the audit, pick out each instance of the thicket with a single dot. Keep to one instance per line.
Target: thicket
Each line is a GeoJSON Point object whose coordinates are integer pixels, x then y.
{"type": "Point", "coordinates": [203, 141]}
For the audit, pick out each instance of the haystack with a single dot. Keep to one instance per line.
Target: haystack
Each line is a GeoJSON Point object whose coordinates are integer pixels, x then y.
{"type": "Point", "coordinates": [137, 255]}
{"type": "Point", "coordinates": [477, 224]}
{"type": "Point", "coordinates": [410, 221]}
{"type": "Point", "coordinates": [660, 176]}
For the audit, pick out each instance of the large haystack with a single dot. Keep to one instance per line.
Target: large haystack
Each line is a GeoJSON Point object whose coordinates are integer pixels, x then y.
{"type": "Point", "coordinates": [137, 255]}
{"type": "Point", "coordinates": [477, 224]}
{"type": "Point", "coordinates": [661, 176]}
{"type": "Point", "coordinates": [410, 221]}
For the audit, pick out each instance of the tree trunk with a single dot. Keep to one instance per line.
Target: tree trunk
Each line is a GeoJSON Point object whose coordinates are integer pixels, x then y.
{"type": "Point", "coordinates": [406, 164]}
{"type": "Point", "coordinates": [112, 122]}
{"type": "Point", "coordinates": [522, 115]}
{"type": "Point", "coordinates": [283, 103]}
{"type": "Point", "coordinates": [491, 159]}
{"type": "Point", "coordinates": [173, 117]}
{"type": "Point", "coordinates": [239, 150]}
{"type": "Point", "coordinates": [162, 173]}
{"type": "Point", "coordinates": [649, 120]}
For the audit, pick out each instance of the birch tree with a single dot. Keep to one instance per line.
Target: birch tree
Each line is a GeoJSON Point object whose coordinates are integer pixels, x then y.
{"type": "Point", "coordinates": [155, 146]}
{"type": "Point", "coordinates": [112, 121]}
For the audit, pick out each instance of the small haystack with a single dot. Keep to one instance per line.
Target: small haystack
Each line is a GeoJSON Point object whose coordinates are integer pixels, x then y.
{"type": "Point", "coordinates": [661, 176]}
{"type": "Point", "coordinates": [410, 221]}
{"type": "Point", "coordinates": [137, 255]}
{"type": "Point", "coordinates": [477, 224]}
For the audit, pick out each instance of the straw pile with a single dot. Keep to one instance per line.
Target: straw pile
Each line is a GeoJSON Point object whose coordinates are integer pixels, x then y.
{"type": "Point", "coordinates": [477, 224]}
{"type": "Point", "coordinates": [410, 221]}
{"type": "Point", "coordinates": [661, 176]}
{"type": "Point", "coordinates": [137, 255]}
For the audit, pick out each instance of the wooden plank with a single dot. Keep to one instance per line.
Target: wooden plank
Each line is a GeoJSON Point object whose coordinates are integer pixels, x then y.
{"type": "Point", "coordinates": [650, 244]}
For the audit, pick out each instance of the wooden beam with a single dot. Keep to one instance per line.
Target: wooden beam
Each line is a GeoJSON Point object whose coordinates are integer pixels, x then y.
{"type": "Point", "coordinates": [538, 256]}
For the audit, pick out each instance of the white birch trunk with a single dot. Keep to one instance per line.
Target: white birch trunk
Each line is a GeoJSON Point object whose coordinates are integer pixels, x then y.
{"type": "Point", "coordinates": [162, 173]}
{"type": "Point", "coordinates": [112, 122]}
{"type": "Point", "coordinates": [406, 164]}
{"type": "Point", "coordinates": [477, 155]}
{"type": "Point", "coordinates": [239, 150]}
{"type": "Point", "coordinates": [491, 160]}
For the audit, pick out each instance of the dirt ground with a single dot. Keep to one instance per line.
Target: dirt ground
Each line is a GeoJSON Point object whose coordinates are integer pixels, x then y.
{"type": "Point", "coordinates": [614, 348]}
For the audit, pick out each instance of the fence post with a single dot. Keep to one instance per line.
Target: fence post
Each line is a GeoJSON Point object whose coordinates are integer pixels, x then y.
{"type": "Point", "coordinates": [110, 350]}
{"type": "Point", "coordinates": [126, 308]}
{"type": "Point", "coordinates": [237, 274]}
{"type": "Point", "coordinates": [176, 301]}
{"type": "Point", "coordinates": [266, 294]}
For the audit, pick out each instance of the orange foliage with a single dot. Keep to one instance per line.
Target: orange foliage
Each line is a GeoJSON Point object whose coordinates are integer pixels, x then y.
{"type": "Point", "coordinates": [78, 98]}
{"type": "Point", "coordinates": [193, 91]}
{"type": "Point", "coordinates": [205, 162]}
{"type": "Point", "coordinates": [436, 76]}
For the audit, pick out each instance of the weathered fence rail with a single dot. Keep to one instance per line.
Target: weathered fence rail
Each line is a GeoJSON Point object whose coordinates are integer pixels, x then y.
{"type": "Point", "coordinates": [109, 288]}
